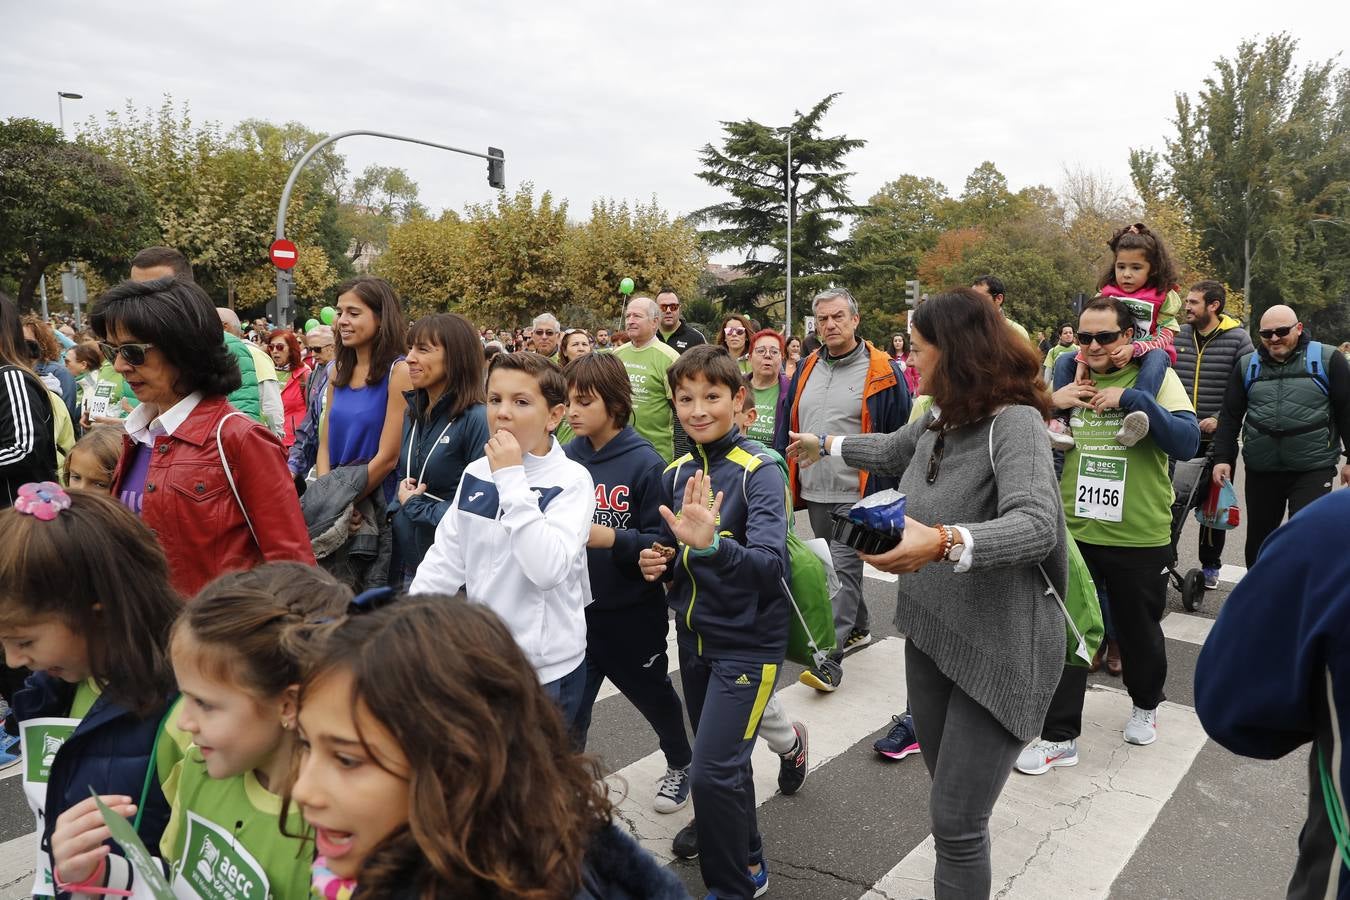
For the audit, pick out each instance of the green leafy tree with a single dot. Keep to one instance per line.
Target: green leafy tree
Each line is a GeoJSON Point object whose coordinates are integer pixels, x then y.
{"type": "Point", "coordinates": [1260, 164]}
{"type": "Point", "coordinates": [903, 221]}
{"type": "Point", "coordinates": [64, 202]}
{"type": "Point", "coordinates": [752, 166]}
{"type": "Point", "coordinates": [425, 262]}
{"type": "Point", "coordinates": [378, 199]}
{"type": "Point", "coordinates": [514, 256]}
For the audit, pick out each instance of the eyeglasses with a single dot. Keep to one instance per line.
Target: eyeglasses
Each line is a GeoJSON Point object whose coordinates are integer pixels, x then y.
{"type": "Point", "coordinates": [282, 347]}
{"type": "Point", "coordinates": [935, 461]}
{"type": "Point", "coordinates": [1085, 338]}
{"type": "Point", "coordinates": [134, 354]}
{"type": "Point", "coordinates": [1270, 334]}
{"type": "Point", "coordinates": [667, 307]}
{"type": "Point", "coordinates": [544, 332]}
{"type": "Point", "coordinates": [733, 330]}
{"type": "Point", "coordinates": [768, 351]}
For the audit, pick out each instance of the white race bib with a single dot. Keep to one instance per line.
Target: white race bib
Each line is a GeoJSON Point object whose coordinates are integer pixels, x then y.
{"type": "Point", "coordinates": [101, 400]}
{"type": "Point", "coordinates": [1100, 491]}
{"type": "Point", "coordinates": [41, 739]}
{"type": "Point", "coordinates": [216, 867]}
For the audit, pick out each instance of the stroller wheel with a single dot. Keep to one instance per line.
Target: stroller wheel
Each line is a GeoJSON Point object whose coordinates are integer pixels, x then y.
{"type": "Point", "coordinates": [1193, 590]}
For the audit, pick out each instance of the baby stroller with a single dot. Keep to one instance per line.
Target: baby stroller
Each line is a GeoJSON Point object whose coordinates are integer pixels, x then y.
{"type": "Point", "coordinates": [1189, 476]}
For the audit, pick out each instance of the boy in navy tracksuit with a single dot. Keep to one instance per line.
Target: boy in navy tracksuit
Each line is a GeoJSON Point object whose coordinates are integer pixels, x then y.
{"type": "Point", "coordinates": [627, 621]}
{"type": "Point", "coordinates": [726, 522]}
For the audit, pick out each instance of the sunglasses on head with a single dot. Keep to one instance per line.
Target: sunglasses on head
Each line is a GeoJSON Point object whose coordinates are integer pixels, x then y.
{"type": "Point", "coordinates": [1085, 338]}
{"type": "Point", "coordinates": [1270, 334]}
{"type": "Point", "coordinates": [134, 354]}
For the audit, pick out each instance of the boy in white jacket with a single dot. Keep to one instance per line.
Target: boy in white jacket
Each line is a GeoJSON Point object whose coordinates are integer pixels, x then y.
{"type": "Point", "coordinates": [515, 537]}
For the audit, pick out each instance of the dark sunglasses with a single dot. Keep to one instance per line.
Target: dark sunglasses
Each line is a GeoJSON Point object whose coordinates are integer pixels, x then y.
{"type": "Point", "coordinates": [1085, 338]}
{"type": "Point", "coordinates": [134, 354]}
{"type": "Point", "coordinates": [1270, 334]}
{"type": "Point", "coordinates": [935, 461]}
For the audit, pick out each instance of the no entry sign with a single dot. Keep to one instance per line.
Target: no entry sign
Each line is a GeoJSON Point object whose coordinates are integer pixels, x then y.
{"type": "Point", "coordinates": [283, 253]}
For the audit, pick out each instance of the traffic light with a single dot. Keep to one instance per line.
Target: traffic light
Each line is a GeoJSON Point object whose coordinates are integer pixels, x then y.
{"type": "Point", "coordinates": [912, 294]}
{"type": "Point", "coordinates": [496, 168]}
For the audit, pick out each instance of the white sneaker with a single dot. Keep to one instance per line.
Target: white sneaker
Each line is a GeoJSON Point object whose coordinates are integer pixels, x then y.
{"type": "Point", "coordinates": [1142, 729]}
{"type": "Point", "coordinates": [672, 792]}
{"type": "Point", "coordinates": [1133, 428]}
{"type": "Point", "coordinates": [1043, 756]}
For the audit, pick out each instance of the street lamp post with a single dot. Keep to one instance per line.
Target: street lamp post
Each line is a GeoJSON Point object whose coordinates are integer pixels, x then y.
{"type": "Point", "coordinates": [787, 191]}
{"type": "Point", "coordinates": [62, 96]}
{"type": "Point", "coordinates": [496, 178]}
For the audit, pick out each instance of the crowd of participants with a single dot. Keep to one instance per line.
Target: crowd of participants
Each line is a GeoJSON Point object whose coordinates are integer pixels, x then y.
{"type": "Point", "coordinates": [359, 587]}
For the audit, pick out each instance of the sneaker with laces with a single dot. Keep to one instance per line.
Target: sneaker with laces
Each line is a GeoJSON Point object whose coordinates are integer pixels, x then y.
{"type": "Point", "coordinates": [1142, 729]}
{"type": "Point", "coordinates": [1061, 435]}
{"type": "Point", "coordinates": [1133, 428]}
{"type": "Point", "coordinates": [825, 677]}
{"type": "Point", "coordinates": [9, 751]}
{"type": "Point", "coordinates": [760, 878]}
{"type": "Point", "coordinates": [685, 844]}
{"type": "Point", "coordinates": [900, 741]}
{"type": "Point", "coordinates": [793, 765]}
{"type": "Point", "coordinates": [672, 791]}
{"type": "Point", "coordinates": [1211, 577]}
{"type": "Point", "coordinates": [857, 639]}
{"type": "Point", "coordinates": [1043, 756]}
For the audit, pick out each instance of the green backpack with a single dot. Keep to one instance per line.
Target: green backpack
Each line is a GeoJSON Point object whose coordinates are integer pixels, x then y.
{"type": "Point", "coordinates": [811, 634]}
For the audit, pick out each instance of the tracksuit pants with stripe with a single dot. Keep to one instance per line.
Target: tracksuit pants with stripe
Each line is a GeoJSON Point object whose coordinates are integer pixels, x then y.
{"type": "Point", "coordinates": [725, 699]}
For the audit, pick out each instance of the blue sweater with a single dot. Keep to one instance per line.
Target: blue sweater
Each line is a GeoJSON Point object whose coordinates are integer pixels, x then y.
{"type": "Point", "coordinates": [627, 476]}
{"type": "Point", "coordinates": [722, 609]}
{"type": "Point", "coordinates": [1290, 612]}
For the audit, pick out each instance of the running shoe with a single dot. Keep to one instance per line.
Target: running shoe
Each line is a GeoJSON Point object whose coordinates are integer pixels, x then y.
{"type": "Point", "coordinates": [1043, 756]}
{"type": "Point", "coordinates": [760, 878]}
{"type": "Point", "coordinates": [685, 844]}
{"type": "Point", "coordinates": [825, 677]}
{"type": "Point", "coordinates": [900, 741]}
{"type": "Point", "coordinates": [672, 792]}
{"type": "Point", "coordinates": [857, 639]}
{"type": "Point", "coordinates": [1211, 577]}
{"type": "Point", "coordinates": [9, 751]}
{"type": "Point", "coordinates": [1133, 428]}
{"type": "Point", "coordinates": [793, 765]}
{"type": "Point", "coordinates": [1142, 729]}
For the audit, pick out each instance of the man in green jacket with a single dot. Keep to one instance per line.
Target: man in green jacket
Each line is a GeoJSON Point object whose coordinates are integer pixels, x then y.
{"type": "Point", "coordinates": [1294, 395]}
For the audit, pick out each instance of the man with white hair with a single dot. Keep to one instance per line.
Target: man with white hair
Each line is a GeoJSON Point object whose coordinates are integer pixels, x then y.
{"type": "Point", "coordinates": [547, 334]}
{"type": "Point", "coordinates": [269, 388]}
{"type": "Point", "coordinates": [646, 358]}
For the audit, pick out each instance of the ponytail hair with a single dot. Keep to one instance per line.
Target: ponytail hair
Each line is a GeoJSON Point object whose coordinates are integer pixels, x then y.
{"type": "Point", "coordinates": [253, 628]}
{"type": "Point", "coordinates": [1162, 271]}
{"type": "Point", "coordinates": [99, 570]}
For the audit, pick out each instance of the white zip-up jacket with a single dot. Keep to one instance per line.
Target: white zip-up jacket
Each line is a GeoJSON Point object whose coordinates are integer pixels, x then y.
{"type": "Point", "coordinates": [515, 541]}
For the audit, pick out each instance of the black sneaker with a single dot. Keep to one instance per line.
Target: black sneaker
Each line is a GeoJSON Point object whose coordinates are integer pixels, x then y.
{"type": "Point", "coordinates": [793, 765]}
{"type": "Point", "coordinates": [825, 677]}
{"type": "Point", "coordinates": [857, 639]}
{"type": "Point", "coordinates": [685, 845]}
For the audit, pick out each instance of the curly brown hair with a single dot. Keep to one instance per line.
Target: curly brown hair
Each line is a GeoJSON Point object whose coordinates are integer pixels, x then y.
{"type": "Point", "coordinates": [45, 337]}
{"type": "Point", "coordinates": [983, 364]}
{"type": "Point", "coordinates": [497, 807]}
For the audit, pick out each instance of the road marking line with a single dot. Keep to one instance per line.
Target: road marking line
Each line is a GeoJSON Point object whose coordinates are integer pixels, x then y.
{"type": "Point", "coordinates": [17, 858]}
{"type": "Point", "coordinates": [837, 721]}
{"type": "Point", "coordinates": [872, 572]}
{"type": "Point", "coordinates": [1232, 574]}
{"type": "Point", "coordinates": [1071, 831]}
{"type": "Point", "coordinates": [1185, 627]}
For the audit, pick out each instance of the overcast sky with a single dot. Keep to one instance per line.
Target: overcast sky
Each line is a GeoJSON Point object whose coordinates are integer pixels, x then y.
{"type": "Point", "coordinates": [591, 99]}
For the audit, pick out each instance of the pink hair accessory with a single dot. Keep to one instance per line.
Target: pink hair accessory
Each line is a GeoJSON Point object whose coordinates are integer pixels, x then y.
{"type": "Point", "coordinates": [42, 500]}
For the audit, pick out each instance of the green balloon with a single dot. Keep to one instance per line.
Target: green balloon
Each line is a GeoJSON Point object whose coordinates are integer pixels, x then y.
{"type": "Point", "coordinates": [311, 325]}
{"type": "Point", "coordinates": [327, 315]}
{"type": "Point", "coordinates": [626, 286]}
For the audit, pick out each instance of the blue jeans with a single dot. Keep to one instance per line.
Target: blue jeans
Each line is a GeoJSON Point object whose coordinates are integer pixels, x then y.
{"type": "Point", "coordinates": [567, 692]}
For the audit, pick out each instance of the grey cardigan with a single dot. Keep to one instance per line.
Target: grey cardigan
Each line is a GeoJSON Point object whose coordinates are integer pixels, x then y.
{"type": "Point", "coordinates": [993, 630]}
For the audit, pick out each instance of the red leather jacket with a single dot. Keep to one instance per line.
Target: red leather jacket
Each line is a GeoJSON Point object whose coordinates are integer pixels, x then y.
{"type": "Point", "coordinates": [189, 506]}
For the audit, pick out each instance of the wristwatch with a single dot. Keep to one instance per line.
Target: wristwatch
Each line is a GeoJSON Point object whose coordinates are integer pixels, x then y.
{"type": "Point", "coordinates": [954, 553]}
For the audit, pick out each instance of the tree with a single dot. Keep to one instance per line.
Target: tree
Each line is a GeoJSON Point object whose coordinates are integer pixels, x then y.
{"type": "Point", "coordinates": [64, 202]}
{"type": "Point", "coordinates": [514, 256]}
{"type": "Point", "coordinates": [642, 243]}
{"type": "Point", "coordinates": [752, 166]}
{"type": "Point", "coordinates": [1260, 164]}
{"type": "Point", "coordinates": [380, 198]}
{"type": "Point", "coordinates": [425, 262]}
{"type": "Point", "coordinates": [903, 221]}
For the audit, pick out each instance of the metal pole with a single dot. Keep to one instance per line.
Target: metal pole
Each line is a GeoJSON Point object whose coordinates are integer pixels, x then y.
{"type": "Point", "coordinates": [42, 288]}
{"type": "Point", "coordinates": [283, 277]}
{"type": "Point", "coordinates": [61, 112]}
{"type": "Point", "coordinates": [789, 231]}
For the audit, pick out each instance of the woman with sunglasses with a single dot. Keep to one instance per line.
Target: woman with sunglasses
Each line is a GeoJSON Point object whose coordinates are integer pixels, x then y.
{"type": "Point", "coordinates": [209, 481]}
{"type": "Point", "coordinates": [27, 420]}
{"type": "Point", "coordinates": [982, 523]}
{"type": "Point", "coordinates": [284, 348]}
{"type": "Point", "coordinates": [735, 336]}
